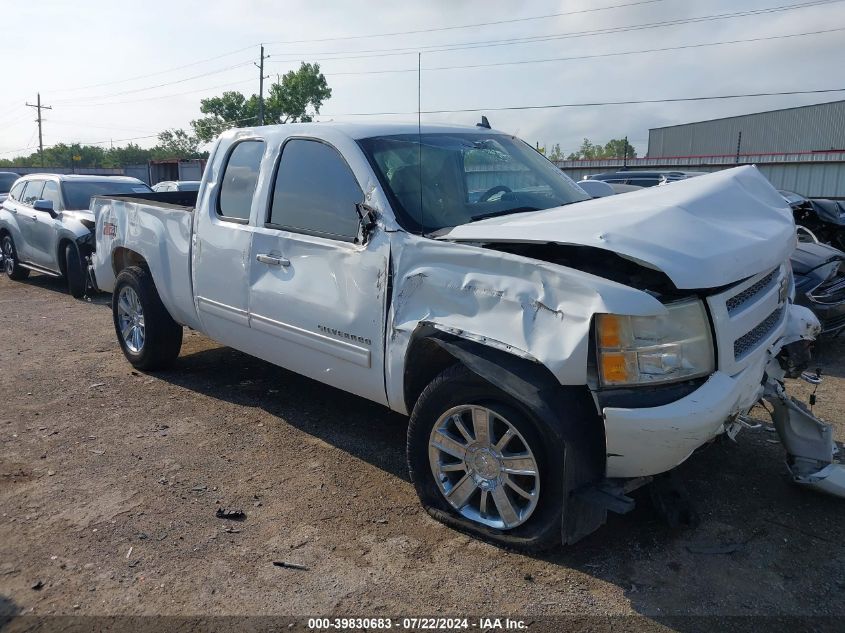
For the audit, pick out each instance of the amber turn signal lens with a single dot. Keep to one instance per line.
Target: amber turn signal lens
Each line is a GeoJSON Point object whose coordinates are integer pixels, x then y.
{"type": "Point", "coordinates": [614, 368]}
{"type": "Point", "coordinates": [610, 331]}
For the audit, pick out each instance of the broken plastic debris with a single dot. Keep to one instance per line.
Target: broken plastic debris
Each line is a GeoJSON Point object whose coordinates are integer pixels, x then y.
{"type": "Point", "coordinates": [231, 514]}
{"type": "Point", "coordinates": [287, 565]}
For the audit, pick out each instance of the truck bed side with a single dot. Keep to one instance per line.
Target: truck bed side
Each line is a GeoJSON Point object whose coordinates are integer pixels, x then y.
{"type": "Point", "coordinates": [152, 231]}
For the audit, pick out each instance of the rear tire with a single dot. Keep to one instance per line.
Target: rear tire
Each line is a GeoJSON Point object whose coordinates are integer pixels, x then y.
{"type": "Point", "coordinates": [533, 528]}
{"type": "Point", "coordinates": [148, 335]}
{"type": "Point", "coordinates": [74, 272]}
{"type": "Point", "coordinates": [13, 270]}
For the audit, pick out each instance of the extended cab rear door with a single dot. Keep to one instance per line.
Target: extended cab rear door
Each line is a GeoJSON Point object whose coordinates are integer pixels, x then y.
{"type": "Point", "coordinates": [317, 294]}
{"type": "Point", "coordinates": [223, 239]}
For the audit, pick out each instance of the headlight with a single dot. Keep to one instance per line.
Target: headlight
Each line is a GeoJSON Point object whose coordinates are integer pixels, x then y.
{"type": "Point", "coordinates": [636, 350]}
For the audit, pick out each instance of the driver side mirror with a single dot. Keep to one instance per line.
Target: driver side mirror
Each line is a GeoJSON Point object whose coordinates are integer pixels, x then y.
{"type": "Point", "coordinates": [366, 219]}
{"type": "Point", "coordinates": [44, 205]}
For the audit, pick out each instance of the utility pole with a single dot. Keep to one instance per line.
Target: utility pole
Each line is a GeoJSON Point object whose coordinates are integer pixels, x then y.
{"type": "Point", "coordinates": [625, 159]}
{"type": "Point", "coordinates": [738, 145]}
{"type": "Point", "coordinates": [261, 78]}
{"type": "Point", "coordinates": [40, 107]}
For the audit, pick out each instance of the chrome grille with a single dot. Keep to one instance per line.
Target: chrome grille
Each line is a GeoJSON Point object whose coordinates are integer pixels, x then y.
{"type": "Point", "coordinates": [738, 300]}
{"type": "Point", "coordinates": [750, 340]}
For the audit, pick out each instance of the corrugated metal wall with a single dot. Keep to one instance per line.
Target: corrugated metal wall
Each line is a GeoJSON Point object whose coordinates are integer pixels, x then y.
{"type": "Point", "coordinates": [808, 128]}
{"type": "Point", "coordinates": [814, 175]}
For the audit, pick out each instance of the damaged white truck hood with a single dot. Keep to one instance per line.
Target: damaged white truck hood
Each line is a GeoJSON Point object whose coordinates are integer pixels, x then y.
{"type": "Point", "coordinates": [703, 232]}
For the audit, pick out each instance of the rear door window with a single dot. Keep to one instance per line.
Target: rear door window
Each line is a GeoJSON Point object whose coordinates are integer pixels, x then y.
{"type": "Point", "coordinates": [32, 192]}
{"type": "Point", "coordinates": [240, 176]}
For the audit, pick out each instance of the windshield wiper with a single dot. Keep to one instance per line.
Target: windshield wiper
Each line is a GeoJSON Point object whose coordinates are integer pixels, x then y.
{"type": "Point", "coordinates": [494, 214]}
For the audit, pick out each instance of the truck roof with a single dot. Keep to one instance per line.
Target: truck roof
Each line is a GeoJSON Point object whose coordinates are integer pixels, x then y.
{"type": "Point", "coordinates": [359, 130]}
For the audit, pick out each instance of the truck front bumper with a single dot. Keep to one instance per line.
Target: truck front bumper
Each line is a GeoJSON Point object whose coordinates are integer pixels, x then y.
{"type": "Point", "coordinates": [651, 440]}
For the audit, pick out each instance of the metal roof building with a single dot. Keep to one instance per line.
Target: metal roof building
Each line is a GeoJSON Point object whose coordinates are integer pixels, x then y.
{"type": "Point", "coordinates": [800, 149]}
{"type": "Point", "coordinates": [811, 128]}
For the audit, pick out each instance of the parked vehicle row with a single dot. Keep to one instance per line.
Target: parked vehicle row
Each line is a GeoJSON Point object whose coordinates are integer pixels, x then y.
{"type": "Point", "coordinates": [641, 178]}
{"type": "Point", "coordinates": [553, 351]}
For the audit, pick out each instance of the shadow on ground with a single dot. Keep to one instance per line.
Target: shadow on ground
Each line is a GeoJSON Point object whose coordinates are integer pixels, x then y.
{"type": "Point", "coordinates": [59, 286]}
{"type": "Point", "coordinates": [8, 610]}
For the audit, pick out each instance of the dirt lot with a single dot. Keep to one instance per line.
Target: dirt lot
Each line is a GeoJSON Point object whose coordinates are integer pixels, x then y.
{"type": "Point", "coordinates": [110, 479]}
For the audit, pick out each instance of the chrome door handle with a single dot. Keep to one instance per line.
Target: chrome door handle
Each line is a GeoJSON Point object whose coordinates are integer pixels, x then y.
{"type": "Point", "coordinates": [272, 260]}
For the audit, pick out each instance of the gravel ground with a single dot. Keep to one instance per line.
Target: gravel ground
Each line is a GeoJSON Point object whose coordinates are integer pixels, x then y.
{"type": "Point", "coordinates": [110, 480]}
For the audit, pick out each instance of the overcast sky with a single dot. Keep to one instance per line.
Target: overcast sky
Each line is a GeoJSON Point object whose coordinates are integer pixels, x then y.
{"type": "Point", "coordinates": [97, 62]}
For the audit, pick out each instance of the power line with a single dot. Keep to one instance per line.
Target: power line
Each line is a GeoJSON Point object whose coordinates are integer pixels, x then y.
{"type": "Point", "coordinates": [593, 56]}
{"type": "Point", "coordinates": [354, 37]}
{"type": "Point", "coordinates": [169, 96]}
{"type": "Point", "coordinates": [159, 72]}
{"type": "Point", "coordinates": [10, 122]}
{"type": "Point", "coordinates": [597, 103]}
{"type": "Point", "coordinates": [468, 26]}
{"type": "Point", "coordinates": [471, 66]}
{"type": "Point", "coordinates": [15, 151]}
{"type": "Point", "coordinates": [438, 48]}
{"type": "Point", "coordinates": [226, 124]}
{"type": "Point", "coordinates": [169, 83]}
{"type": "Point", "coordinates": [460, 46]}
{"type": "Point", "coordinates": [98, 127]}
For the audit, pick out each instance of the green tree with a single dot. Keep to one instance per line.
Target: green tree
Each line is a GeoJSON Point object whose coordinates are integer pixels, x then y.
{"type": "Point", "coordinates": [614, 148]}
{"type": "Point", "coordinates": [230, 109]}
{"type": "Point", "coordinates": [132, 154]}
{"type": "Point", "coordinates": [296, 96]}
{"type": "Point", "coordinates": [176, 143]}
{"type": "Point", "coordinates": [556, 153]}
{"type": "Point", "coordinates": [587, 151]}
{"type": "Point", "coordinates": [64, 155]}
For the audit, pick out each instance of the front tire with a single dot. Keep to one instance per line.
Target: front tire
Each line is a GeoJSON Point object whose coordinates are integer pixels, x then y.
{"type": "Point", "coordinates": [11, 267]}
{"type": "Point", "coordinates": [74, 272]}
{"type": "Point", "coordinates": [148, 335]}
{"type": "Point", "coordinates": [481, 463]}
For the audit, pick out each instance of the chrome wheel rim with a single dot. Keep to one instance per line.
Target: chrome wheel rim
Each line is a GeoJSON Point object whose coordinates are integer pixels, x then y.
{"type": "Point", "coordinates": [130, 318]}
{"type": "Point", "coordinates": [8, 256]}
{"type": "Point", "coordinates": [484, 467]}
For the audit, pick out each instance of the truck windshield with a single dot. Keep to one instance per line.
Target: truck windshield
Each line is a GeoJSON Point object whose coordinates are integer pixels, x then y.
{"type": "Point", "coordinates": [78, 194]}
{"type": "Point", "coordinates": [465, 177]}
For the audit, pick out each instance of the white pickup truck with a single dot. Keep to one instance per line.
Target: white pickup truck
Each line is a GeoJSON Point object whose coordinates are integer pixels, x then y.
{"type": "Point", "coordinates": [553, 351]}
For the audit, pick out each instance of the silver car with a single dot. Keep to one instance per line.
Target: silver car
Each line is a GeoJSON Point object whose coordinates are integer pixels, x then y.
{"type": "Point", "coordinates": [177, 185]}
{"type": "Point", "coordinates": [46, 227]}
